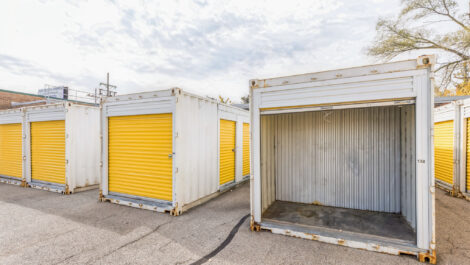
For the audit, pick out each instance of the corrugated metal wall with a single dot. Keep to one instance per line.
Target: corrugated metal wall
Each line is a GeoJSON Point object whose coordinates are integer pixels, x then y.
{"type": "Point", "coordinates": [268, 160]}
{"type": "Point", "coordinates": [408, 164]}
{"type": "Point", "coordinates": [344, 158]}
{"type": "Point", "coordinates": [196, 148]}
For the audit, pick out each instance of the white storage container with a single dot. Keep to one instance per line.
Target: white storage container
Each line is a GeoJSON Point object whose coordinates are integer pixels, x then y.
{"type": "Point", "coordinates": [446, 146]}
{"type": "Point", "coordinates": [170, 150]}
{"type": "Point", "coordinates": [345, 157]}
{"type": "Point", "coordinates": [452, 147]}
{"type": "Point", "coordinates": [60, 146]}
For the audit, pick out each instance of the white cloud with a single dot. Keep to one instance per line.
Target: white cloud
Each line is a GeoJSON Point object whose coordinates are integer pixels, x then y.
{"type": "Point", "coordinates": [208, 47]}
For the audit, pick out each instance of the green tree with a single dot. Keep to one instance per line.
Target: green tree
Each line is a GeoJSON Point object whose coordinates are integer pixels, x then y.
{"type": "Point", "coordinates": [414, 29]}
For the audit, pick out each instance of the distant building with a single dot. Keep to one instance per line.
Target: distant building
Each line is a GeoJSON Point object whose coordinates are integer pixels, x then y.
{"type": "Point", "coordinates": [13, 99]}
{"type": "Point", "coordinates": [60, 92]}
{"type": "Point", "coordinates": [242, 106]}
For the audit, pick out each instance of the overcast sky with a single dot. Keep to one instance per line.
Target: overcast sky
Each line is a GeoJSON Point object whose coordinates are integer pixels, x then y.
{"type": "Point", "coordinates": [209, 47]}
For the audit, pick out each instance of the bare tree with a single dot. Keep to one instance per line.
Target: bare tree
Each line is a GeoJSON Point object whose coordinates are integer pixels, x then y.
{"type": "Point", "coordinates": [224, 100]}
{"type": "Point", "coordinates": [413, 30]}
{"type": "Point", "coordinates": [245, 99]}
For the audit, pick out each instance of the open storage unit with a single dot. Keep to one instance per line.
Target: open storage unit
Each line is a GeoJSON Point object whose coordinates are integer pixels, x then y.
{"type": "Point", "coordinates": [345, 157]}
{"type": "Point", "coordinates": [170, 150]}
{"type": "Point", "coordinates": [60, 146]}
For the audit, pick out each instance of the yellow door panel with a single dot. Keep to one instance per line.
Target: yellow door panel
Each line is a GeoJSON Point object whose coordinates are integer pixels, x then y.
{"type": "Point", "coordinates": [444, 151]}
{"type": "Point", "coordinates": [246, 149]}
{"type": "Point", "coordinates": [227, 151]}
{"type": "Point", "coordinates": [48, 151]}
{"type": "Point", "coordinates": [138, 155]}
{"type": "Point", "coordinates": [11, 155]}
{"type": "Point", "coordinates": [468, 155]}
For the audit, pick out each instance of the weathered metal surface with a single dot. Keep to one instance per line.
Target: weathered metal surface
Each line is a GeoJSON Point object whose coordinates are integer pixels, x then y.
{"type": "Point", "coordinates": [373, 85]}
{"type": "Point", "coordinates": [354, 242]}
{"type": "Point", "coordinates": [195, 135]}
{"type": "Point", "coordinates": [343, 158]}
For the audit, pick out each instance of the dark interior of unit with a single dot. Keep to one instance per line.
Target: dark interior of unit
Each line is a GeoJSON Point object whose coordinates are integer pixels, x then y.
{"type": "Point", "coordinates": [348, 170]}
{"type": "Point", "coordinates": [389, 225]}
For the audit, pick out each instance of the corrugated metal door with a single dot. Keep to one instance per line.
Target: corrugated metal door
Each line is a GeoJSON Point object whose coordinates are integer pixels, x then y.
{"type": "Point", "coordinates": [468, 154]}
{"type": "Point", "coordinates": [227, 151]}
{"type": "Point", "coordinates": [48, 151]}
{"type": "Point", "coordinates": [139, 161]}
{"type": "Point", "coordinates": [11, 150]}
{"type": "Point", "coordinates": [444, 151]}
{"type": "Point", "coordinates": [246, 149]}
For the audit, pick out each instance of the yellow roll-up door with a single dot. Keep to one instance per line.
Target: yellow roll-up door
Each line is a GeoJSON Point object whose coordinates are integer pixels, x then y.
{"type": "Point", "coordinates": [227, 151]}
{"type": "Point", "coordinates": [11, 155]}
{"type": "Point", "coordinates": [444, 151]}
{"type": "Point", "coordinates": [48, 151]}
{"type": "Point", "coordinates": [139, 161]}
{"type": "Point", "coordinates": [246, 149]}
{"type": "Point", "coordinates": [468, 155]}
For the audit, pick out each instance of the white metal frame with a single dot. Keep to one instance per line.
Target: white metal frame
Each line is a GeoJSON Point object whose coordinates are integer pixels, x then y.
{"type": "Point", "coordinates": [230, 113]}
{"type": "Point", "coordinates": [37, 114]}
{"type": "Point", "coordinates": [464, 110]}
{"type": "Point", "coordinates": [312, 89]}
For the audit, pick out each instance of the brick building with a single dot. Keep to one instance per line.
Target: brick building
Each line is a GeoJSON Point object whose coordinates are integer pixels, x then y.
{"type": "Point", "coordinates": [7, 97]}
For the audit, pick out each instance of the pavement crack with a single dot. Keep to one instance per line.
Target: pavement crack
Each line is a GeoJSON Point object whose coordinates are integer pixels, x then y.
{"type": "Point", "coordinates": [182, 262]}
{"type": "Point", "coordinates": [133, 241]}
{"type": "Point", "coordinates": [225, 243]}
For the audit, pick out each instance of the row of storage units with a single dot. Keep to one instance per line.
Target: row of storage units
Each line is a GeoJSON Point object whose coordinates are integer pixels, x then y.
{"type": "Point", "coordinates": [452, 147]}
{"type": "Point", "coordinates": [170, 150]}
{"type": "Point", "coordinates": [52, 147]}
{"type": "Point", "coordinates": [346, 157]}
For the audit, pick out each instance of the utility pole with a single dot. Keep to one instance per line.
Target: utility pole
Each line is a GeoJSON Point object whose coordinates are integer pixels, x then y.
{"type": "Point", "coordinates": [109, 93]}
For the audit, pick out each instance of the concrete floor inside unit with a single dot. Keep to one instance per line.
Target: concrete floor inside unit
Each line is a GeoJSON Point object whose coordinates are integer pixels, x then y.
{"type": "Point", "coordinates": [40, 227]}
{"type": "Point", "coordinates": [387, 225]}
